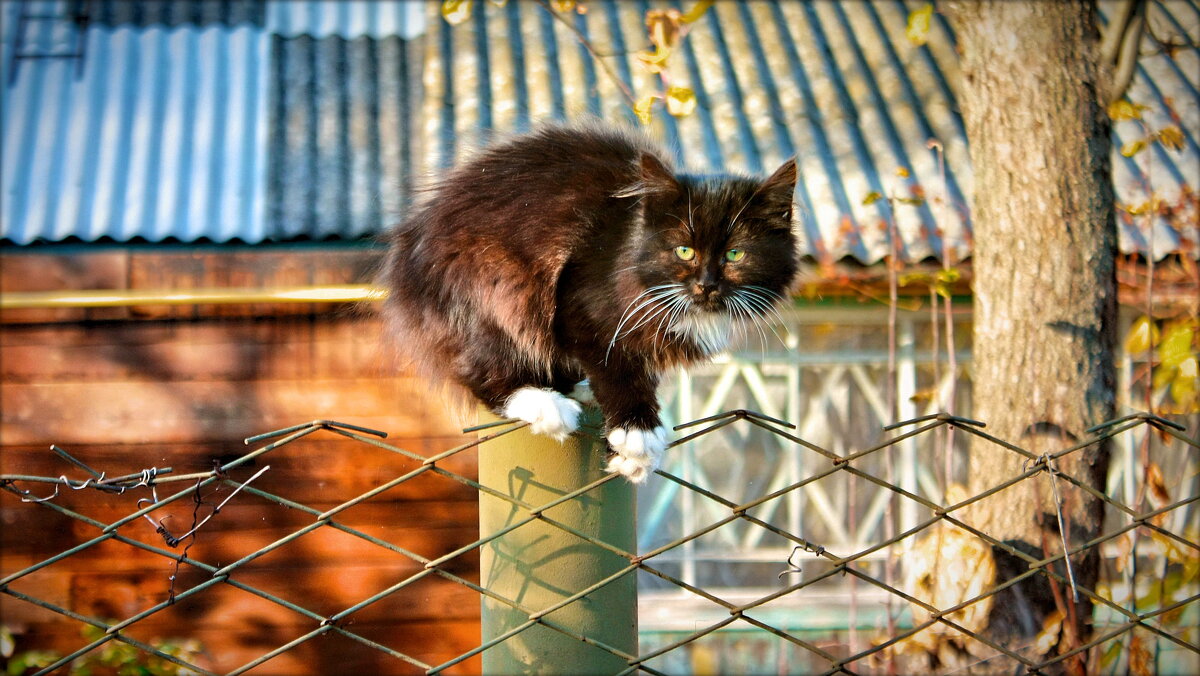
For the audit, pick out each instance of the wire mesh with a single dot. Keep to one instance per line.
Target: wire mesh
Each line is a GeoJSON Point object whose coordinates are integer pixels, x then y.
{"type": "Point", "coordinates": [928, 626]}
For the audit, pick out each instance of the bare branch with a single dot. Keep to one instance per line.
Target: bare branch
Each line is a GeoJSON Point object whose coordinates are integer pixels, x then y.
{"type": "Point", "coordinates": [1120, 44]}
{"type": "Point", "coordinates": [608, 70]}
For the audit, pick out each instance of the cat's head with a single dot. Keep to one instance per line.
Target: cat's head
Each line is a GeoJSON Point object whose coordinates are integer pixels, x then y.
{"type": "Point", "coordinates": [712, 250]}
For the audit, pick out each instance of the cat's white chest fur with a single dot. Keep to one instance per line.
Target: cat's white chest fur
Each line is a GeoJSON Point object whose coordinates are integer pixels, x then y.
{"type": "Point", "coordinates": [710, 330]}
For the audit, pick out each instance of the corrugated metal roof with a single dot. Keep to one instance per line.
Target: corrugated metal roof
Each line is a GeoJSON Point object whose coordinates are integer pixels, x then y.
{"type": "Point", "coordinates": [115, 13]}
{"type": "Point", "coordinates": [222, 130]}
{"type": "Point", "coordinates": [159, 133]}
{"type": "Point", "coordinates": [346, 18]}
{"type": "Point", "coordinates": [340, 159]}
{"type": "Point", "coordinates": [294, 121]}
{"type": "Point", "coordinates": [835, 83]}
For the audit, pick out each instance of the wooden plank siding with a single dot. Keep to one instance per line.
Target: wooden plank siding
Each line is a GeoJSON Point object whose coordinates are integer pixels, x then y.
{"type": "Point", "coordinates": [155, 386]}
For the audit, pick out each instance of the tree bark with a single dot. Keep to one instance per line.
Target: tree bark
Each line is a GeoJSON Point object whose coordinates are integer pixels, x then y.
{"type": "Point", "coordinates": [1044, 287]}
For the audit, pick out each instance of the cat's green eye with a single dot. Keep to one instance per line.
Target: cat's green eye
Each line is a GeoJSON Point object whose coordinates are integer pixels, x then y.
{"type": "Point", "coordinates": [734, 255]}
{"type": "Point", "coordinates": [685, 253]}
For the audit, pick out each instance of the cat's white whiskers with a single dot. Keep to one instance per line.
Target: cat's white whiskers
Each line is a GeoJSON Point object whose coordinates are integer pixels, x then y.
{"type": "Point", "coordinates": [653, 297]}
{"type": "Point", "coordinates": [760, 307]}
{"type": "Point", "coordinates": [770, 299]}
{"type": "Point", "coordinates": [650, 296]}
{"type": "Point", "coordinates": [666, 304]}
{"type": "Point", "coordinates": [744, 312]}
{"type": "Point", "coordinates": [678, 305]}
{"type": "Point", "coordinates": [660, 301]}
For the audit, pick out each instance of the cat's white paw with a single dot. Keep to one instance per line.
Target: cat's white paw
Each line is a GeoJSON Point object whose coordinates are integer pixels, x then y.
{"type": "Point", "coordinates": [547, 412]}
{"type": "Point", "coordinates": [583, 394]}
{"type": "Point", "coordinates": [637, 451]}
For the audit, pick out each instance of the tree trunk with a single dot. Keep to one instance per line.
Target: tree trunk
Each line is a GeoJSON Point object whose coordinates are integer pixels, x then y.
{"type": "Point", "coordinates": [1045, 290]}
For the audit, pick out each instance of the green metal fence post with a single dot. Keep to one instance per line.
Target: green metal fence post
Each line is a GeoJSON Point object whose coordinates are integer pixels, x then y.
{"type": "Point", "coordinates": [538, 565]}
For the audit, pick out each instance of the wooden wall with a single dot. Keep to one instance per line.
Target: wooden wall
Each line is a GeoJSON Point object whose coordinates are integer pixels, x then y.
{"type": "Point", "coordinates": [129, 388]}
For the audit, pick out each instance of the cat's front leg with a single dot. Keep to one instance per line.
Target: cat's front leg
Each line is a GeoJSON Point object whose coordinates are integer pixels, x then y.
{"type": "Point", "coordinates": [627, 394]}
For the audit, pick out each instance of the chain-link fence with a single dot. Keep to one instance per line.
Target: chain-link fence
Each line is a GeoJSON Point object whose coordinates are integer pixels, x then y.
{"type": "Point", "coordinates": [1145, 613]}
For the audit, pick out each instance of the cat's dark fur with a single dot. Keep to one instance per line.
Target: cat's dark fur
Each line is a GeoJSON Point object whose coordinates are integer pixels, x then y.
{"type": "Point", "coordinates": [542, 262]}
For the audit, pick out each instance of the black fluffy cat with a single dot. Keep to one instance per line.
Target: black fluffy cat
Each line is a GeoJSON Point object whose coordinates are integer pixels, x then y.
{"type": "Point", "coordinates": [577, 254]}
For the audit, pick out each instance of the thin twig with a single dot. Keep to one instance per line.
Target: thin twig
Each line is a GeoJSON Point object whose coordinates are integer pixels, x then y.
{"type": "Point", "coordinates": [596, 55]}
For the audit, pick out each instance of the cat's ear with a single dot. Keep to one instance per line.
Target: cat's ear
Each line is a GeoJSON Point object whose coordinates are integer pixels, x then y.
{"type": "Point", "coordinates": [776, 194]}
{"type": "Point", "coordinates": [654, 179]}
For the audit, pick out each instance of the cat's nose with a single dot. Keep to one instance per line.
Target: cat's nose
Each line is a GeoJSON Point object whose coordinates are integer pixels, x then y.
{"type": "Point", "coordinates": [704, 289]}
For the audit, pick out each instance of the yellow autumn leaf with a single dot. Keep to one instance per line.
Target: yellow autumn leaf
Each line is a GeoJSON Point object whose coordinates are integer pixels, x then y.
{"type": "Point", "coordinates": [1133, 147]}
{"type": "Point", "coordinates": [642, 108]}
{"type": "Point", "coordinates": [902, 172]}
{"type": "Point", "coordinates": [919, 22]}
{"type": "Point", "coordinates": [1176, 345]}
{"type": "Point", "coordinates": [563, 5]}
{"type": "Point", "coordinates": [656, 61]}
{"type": "Point", "coordinates": [693, 15]}
{"type": "Point", "coordinates": [680, 101]}
{"type": "Point", "coordinates": [1162, 376]}
{"type": "Point", "coordinates": [945, 279]}
{"type": "Point", "coordinates": [1125, 110]}
{"type": "Point", "coordinates": [1183, 387]}
{"type": "Point", "coordinates": [1142, 335]}
{"type": "Point", "coordinates": [872, 197]}
{"type": "Point", "coordinates": [1171, 137]}
{"type": "Point", "coordinates": [949, 275]}
{"type": "Point", "coordinates": [1047, 638]}
{"type": "Point", "coordinates": [1148, 207]}
{"type": "Point", "coordinates": [456, 11]}
{"type": "Point", "coordinates": [912, 278]}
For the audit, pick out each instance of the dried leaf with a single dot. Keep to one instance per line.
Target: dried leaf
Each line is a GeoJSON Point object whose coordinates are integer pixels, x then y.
{"type": "Point", "coordinates": [919, 22]}
{"type": "Point", "coordinates": [872, 197]}
{"type": "Point", "coordinates": [1124, 546]}
{"type": "Point", "coordinates": [456, 11]}
{"type": "Point", "coordinates": [1048, 637]}
{"type": "Point", "coordinates": [1142, 335]}
{"type": "Point", "coordinates": [664, 27]}
{"type": "Point", "coordinates": [1156, 485]}
{"type": "Point", "coordinates": [693, 15]}
{"type": "Point", "coordinates": [1141, 660]}
{"type": "Point", "coordinates": [681, 101]}
{"type": "Point", "coordinates": [1171, 137]}
{"type": "Point", "coordinates": [924, 395]}
{"type": "Point", "coordinates": [1133, 147]}
{"type": "Point", "coordinates": [1125, 110]}
{"type": "Point", "coordinates": [642, 108]}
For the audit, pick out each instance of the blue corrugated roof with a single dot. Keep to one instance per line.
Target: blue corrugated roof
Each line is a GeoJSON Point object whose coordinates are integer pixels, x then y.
{"type": "Point", "coordinates": [835, 83]}
{"type": "Point", "coordinates": [285, 119]}
{"type": "Point", "coordinates": [261, 122]}
{"type": "Point", "coordinates": [159, 132]}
